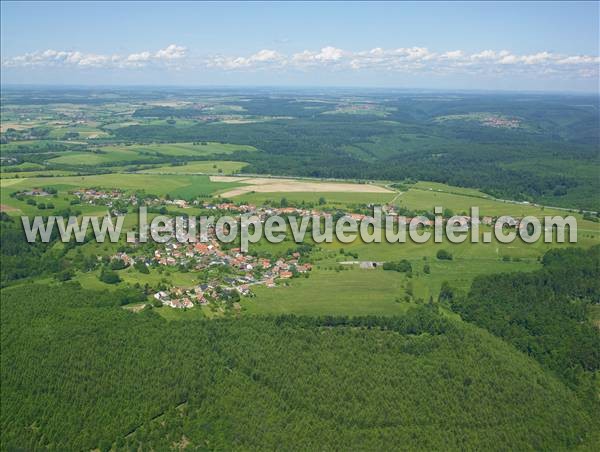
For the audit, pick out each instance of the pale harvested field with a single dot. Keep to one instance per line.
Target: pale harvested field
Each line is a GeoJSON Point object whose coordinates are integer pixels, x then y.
{"type": "Point", "coordinates": [5, 208]}
{"type": "Point", "coordinates": [17, 126]}
{"type": "Point", "coordinates": [269, 185]}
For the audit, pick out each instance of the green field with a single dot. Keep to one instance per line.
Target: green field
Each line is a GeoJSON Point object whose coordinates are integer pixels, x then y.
{"type": "Point", "coordinates": [92, 158]}
{"type": "Point", "coordinates": [335, 288]}
{"type": "Point", "coordinates": [120, 154]}
{"type": "Point", "coordinates": [208, 167]}
{"type": "Point", "coordinates": [182, 186]}
{"type": "Point", "coordinates": [326, 292]}
{"type": "Point", "coordinates": [424, 196]}
{"type": "Point", "coordinates": [34, 173]}
{"type": "Point", "coordinates": [190, 149]}
{"type": "Point", "coordinates": [83, 131]}
{"type": "Point", "coordinates": [332, 199]}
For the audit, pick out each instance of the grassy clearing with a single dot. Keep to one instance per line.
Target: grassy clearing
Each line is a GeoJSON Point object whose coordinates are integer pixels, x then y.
{"type": "Point", "coordinates": [355, 291]}
{"type": "Point", "coordinates": [34, 173]}
{"type": "Point", "coordinates": [25, 166]}
{"type": "Point", "coordinates": [189, 149]}
{"type": "Point", "coordinates": [138, 152]}
{"type": "Point", "coordinates": [332, 199]}
{"type": "Point", "coordinates": [427, 195]}
{"type": "Point", "coordinates": [208, 167]}
{"type": "Point", "coordinates": [130, 276]}
{"type": "Point", "coordinates": [92, 158]}
{"type": "Point", "coordinates": [350, 292]}
{"type": "Point", "coordinates": [83, 131]}
{"type": "Point", "coordinates": [594, 314]}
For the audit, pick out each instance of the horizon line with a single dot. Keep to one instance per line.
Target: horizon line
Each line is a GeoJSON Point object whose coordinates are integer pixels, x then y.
{"type": "Point", "coordinates": [303, 87]}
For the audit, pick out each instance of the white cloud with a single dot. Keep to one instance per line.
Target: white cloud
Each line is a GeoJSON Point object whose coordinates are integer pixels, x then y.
{"type": "Point", "coordinates": [329, 54]}
{"type": "Point", "coordinates": [401, 59]}
{"type": "Point", "coordinates": [172, 52]}
{"type": "Point", "coordinates": [261, 58]}
{"type": "Point", "coordinates": [326, 55]}
{"type": "Point", "coordinates": [537, 58]}
{"type": "Point", "coordinates": [265, 55]}
{"type": "Point", "coordinates": [579, 59]}
{"type": "Point", "coordinates": [485, 55]}
{"type": "Point", "coordinates": [453, 55]}
{"type": "Point", "coordinates": [508, 59]}
{"type": "Point", "coordinates": [50, 58]}
{"type": "Point", "coordinates": [139, 57]}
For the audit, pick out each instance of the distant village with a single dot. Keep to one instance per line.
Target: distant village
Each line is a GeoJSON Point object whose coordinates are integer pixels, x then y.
{"type": "Point", "coordinates": [499, 122]}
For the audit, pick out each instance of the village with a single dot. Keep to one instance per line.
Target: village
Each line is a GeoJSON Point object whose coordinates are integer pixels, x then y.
{"type": "Point", "coordinates": [241, 271]}
{"type": "Point", "coordinates": [237, 271]}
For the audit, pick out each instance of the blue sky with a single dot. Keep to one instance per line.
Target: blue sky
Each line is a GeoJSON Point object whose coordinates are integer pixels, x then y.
{"type": "Point", "coordinates": [542, 46]}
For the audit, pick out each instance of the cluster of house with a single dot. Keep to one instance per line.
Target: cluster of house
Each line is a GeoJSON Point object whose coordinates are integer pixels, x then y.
{"type": "Point", "coordinates": [249, 271]}
{"type": "Point", "coordinates": [202, 294]}
{"type": "Point", "coordinates": [107, 197]}
{"type": "Point", "coordinates": [101, 197]}
{"type": "Point", "coordinates": [127, 259]}
{"type": "Point", "coordinates": [178, 298]}
{"type": "Point", "coordinates": [460, 220]}
{"type": "Point", "coordinates": [264, 211]}
{"type": "Point", "coordinates": [244, 270]}
{"type": "Point", "coordinates": [35, 192]}
{"type": "Point", "coordinates": [204, 255]}
{"type": "Point", "coordinates": [467, 221]}
{"type": "Point", "coordinates": [495, 121]}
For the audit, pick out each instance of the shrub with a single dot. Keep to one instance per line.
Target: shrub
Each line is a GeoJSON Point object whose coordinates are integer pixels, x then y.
{"type": "Point", "coordinates": [444, 255]}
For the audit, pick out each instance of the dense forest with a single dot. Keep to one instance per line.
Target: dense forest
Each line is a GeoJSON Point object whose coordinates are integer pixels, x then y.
{"type": "Point", "coordinates": [545, 314]}
{"type": "Point", "coordinates": [79, 372]}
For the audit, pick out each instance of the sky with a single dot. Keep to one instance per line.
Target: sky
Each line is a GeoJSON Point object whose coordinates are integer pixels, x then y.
{"type": "Point", "coordinates": [541, 46]}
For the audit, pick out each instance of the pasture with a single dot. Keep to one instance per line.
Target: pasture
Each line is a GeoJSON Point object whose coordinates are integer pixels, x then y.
{"type": "Point", "coordinates": [139, 152]}
{"type": "Point", "coordinates": [424, 196]}
{"type": "Point", "coordinates": [332, 199]}
{"type": "Point", "coordinates": [207, 167]}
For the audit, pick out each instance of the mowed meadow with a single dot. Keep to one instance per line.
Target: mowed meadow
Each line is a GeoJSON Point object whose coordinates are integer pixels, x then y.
{"type": "Point", "coordinates": [140, 153]}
